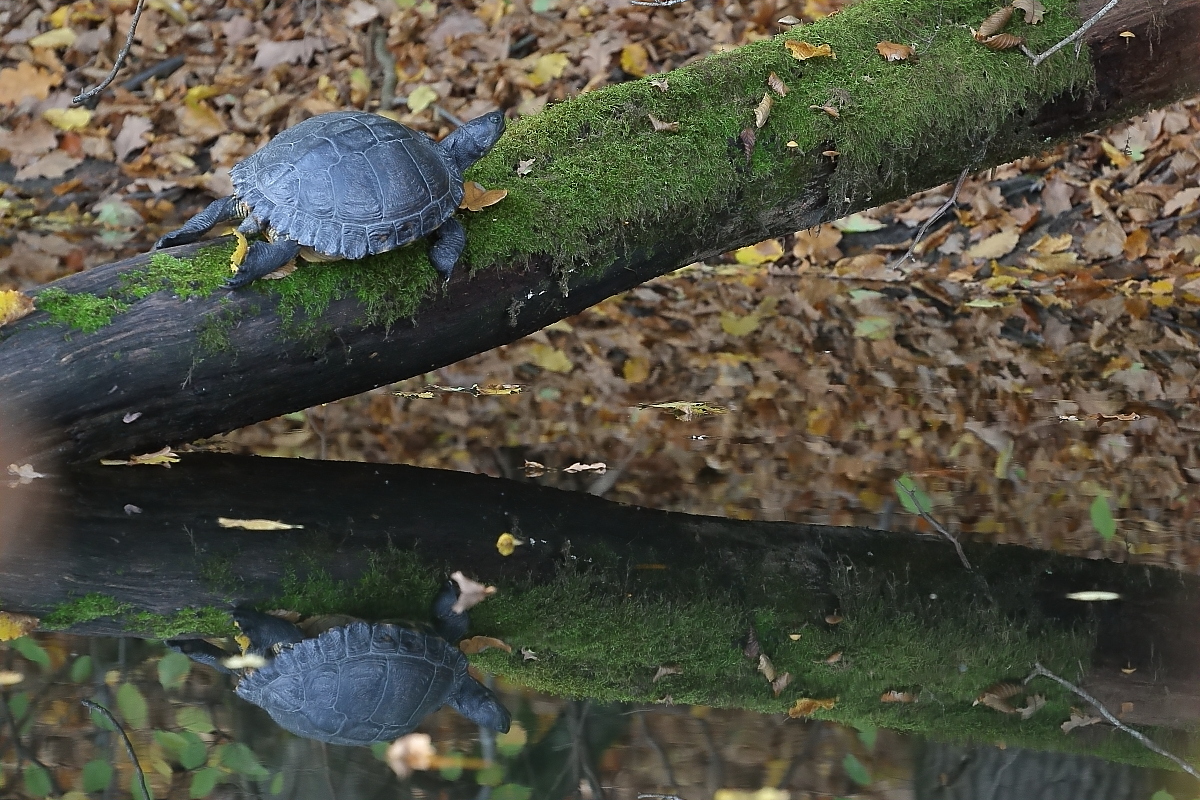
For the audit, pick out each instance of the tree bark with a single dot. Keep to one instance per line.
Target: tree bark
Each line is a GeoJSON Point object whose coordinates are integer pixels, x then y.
{"type": "Point", "coordinates": [148, 380]}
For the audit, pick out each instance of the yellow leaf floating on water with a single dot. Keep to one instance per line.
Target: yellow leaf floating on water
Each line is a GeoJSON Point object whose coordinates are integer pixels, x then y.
{"type": "Point", "coordinates": [806, 706]}
{"type": "Point", "coordinates": [761, 253]}
{"type": "Point", "coordinates": [635, 60]}
{"type": "Point", "coordinates": [14, 305]}
{"type": "Point", "coordinates": [802, 51]}
{"type": "Point", "coordinates": [507, 543]}
{"type": "Point", "coordinates": [256, 524]}
{"type": "Point", "coordinates": [68, 119]}
{"type": "Point", "coordinates": [549, 67]}
{"type": "Point", "coordinates": [14, 626]}
{"type": "Point", "coordinates": [10, 678]}
{"type": "Point", "coordinates": [477, 198]}
{"type": "Point", "coordinates": [420, 99]}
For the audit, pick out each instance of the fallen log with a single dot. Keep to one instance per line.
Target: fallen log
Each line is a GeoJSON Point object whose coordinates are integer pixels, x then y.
{"type": "Point", "coordinates": [132, 356]}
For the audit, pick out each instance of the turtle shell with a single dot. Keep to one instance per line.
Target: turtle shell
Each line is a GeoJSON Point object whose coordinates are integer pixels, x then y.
{"type": "Point", "coordinates": [349, 184]}
{"type": "Point", "coordinates": [357, 684]}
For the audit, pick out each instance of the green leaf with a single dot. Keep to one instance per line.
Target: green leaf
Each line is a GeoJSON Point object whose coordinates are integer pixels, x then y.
{"type": "Point", "coordinates": [81, 670]}
{"type": "Point", "coordinates": [873, 328]}
{"type": "Point", "coordinates": [195, 719]}
{"type": "Point", "coordinates": [37, 781]}
{"type": "Point", "coordinates": [1162, 794]}
{"type": "Point", "coordinates": [452, 766]}
{"type": "Point", "coordinates": [18, 704]}
{"type": "Point", "coordinates": [1102, 518]}
{"type": "Point", "coordinates": [277, 783]}
{"type": "Point", "coordinates": [203, 782]}
{"type": "Point", "coordinates": [135, 789]}
{"type": "Point", "coordinates": [511, 743]}
{"type": "Point", "coordinates": [240, 758]}
{"type": "Point", "coordinates": [512, 791]}
{"type": "Point", "coordinates": [867, 734]}
{"type": "Point", "coordinates": [857, 223]}
{"type": "Point", "coordinates": [132, 706]}
{"type": "Point", "coordinates": [855, 770]}
{"type": "Point", "coordinates": [173, 670]}
{"type": "Point", "coordinates": [97, 775]}
{"type": "Point", "coordinates": [194, 753]}
{"type": "Point", "coordinates": [173, 743]}
{"type": "Point", "coordinates": [32, 651]}
{"type": "Point", "coordinates": [379, 750]}
{"type": "Point", "coordinates": [911, 496]}
{"type": "Point", "coordinates": [491, 775]}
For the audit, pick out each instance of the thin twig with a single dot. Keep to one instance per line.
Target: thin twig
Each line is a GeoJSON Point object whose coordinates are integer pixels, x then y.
{"type": "Point", "coordinates": [387, 88]}
{"type": "Point", "coordinates": [661, 4]}
{"type": "Point", "coordinates": [652, 796]}
{"type": "Point", "coordinates": [1109, 6]}
{"type": "Point", "coordinates": [937, 526]}
{"type": "Point", "coordinates": [1038, 669]}
{"type": "Point", "coordinates": [85, 97]}
{"type": "Point", "coordinates": [93, 706]}
{"type": "Point", "coordinates": [929, 222]}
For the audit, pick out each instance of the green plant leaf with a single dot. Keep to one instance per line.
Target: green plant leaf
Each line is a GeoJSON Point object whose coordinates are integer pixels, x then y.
{"type": "Point", "coordinates": [173, 743]}
{"type": "Point", "coordinates": [203, 782]}
{"type": "Point", "coordinates": [132, 706]}
{"type": "Point", "coordinates": [867, 734]}
{"type": "Point", "coordinates": [911, 496]}
{"type": "Point", "coordinates": [241, 759]}
{"type": "Point", "coordinates": [37, 781]}
{"type": "Point", "coordinates": [194, 753]}
{"type": "Point", "coordinates": [135, 789]}
{"type": "Point", "coordinates": [173, 669]}
{"type": "Point", "coordinates": [81, 670]}
{"type": "Point", "coordinates": [31, 650]}
{"type": "Point", "coordinates": [379, 750]}
{"type": "Point", "coordinates": [491, 775]}
{"type": "Point", "coordinates": [18, 704]}
{"type": "Point", "coordinates": [511, 743]}
{"type": "Point", "coordinates": [1102, 518]}
{"type": "Point", "coordinates": [1162, 794]}
{"type": "Point", "coordinates": [97, 775]}
{"type": "Point", "coordinates": [512, 791]}
{"type": "Point", "coordinates": [452, 766]}
{"type": "Point", "coordinates": [195, 719]}
{"type": "Point", "coordinates": [855, 770]}
{"type": "Point", "coordinates": [277, 783]}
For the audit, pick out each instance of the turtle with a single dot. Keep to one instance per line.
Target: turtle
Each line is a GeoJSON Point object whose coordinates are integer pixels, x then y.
{"type": "Point", "coordinates": [344, 185]}
{"type": "Point", "coordinates": [359, 682]}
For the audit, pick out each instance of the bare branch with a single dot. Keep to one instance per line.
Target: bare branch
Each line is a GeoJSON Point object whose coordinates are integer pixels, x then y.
{"type": "Point", "coordinates": [929, 222]}
{"type": "Point", "coordinates": [937, 526]}
{"type": "Point", "coordinates": [1109, 6]}
{"type": "Point", "coordinates": [87, 96]}
{"type": "Point", "coordinates": [93, 706]}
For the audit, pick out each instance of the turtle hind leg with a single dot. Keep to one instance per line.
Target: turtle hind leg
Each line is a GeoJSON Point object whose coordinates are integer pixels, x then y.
{"type": "Point", "coordinates": [263, 258]}
{"type": "Point", "coordinates": [479, 704]}
{"type": "Point", "coordinates": [451, 239]}
{"type": "Point", "coordinates": [451, 624]}
{"type": "Point", "coordinates": [218, 211]}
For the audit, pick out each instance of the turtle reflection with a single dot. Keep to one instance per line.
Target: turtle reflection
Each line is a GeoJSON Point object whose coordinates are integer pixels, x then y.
{"type": "Point", "coordinates": [359, 682]}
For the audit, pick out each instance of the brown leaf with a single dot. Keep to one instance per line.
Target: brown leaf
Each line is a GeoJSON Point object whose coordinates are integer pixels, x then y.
{"type": "Point", "coordinates": [132, 136]}
{"type": "Point", "coordinates": [830, 110]}
{"type": "Point", "coordinates": [1126, 708]}
{"type": "Point", "coordinates": [1106, 240]}
{"type": "Point", "coordinates": [476, 198]}
{"type": "Point", "coordinates": [781, 683]}
{"type": "Point", "coordinates": [766, 667]}
{"type": "Point", "coordinates": [599, 467]}
{"type": "Point", "coordinates": [13, 306]}
{"type": "Point", "coordinates": [747, 138]}
{"type": "Point", "coordinates": [26, 81]}
{"type": "Point", "coordinates": [894, 52]}
{"type": "Point", "coordinates": [994, 23]}
{"type": "Point", "coordinates": [802, 51]}
{"type": "Point", "coordinates": [1136, 244]}
{"type": "Point", "coordinates": [1034, 10]}
{"type": "Point", "coordinates": [777, 85]}
{"type": "Point", "coordinates": [1078, 720]}
{"type": "Point", "coordinates": [894, 696]}
{"type": "Point", "coordinates": [661, 84]}
{"type": "Point", "coordinates": [525, 167]}
{"type": "Point", "coordinates": [834, 657]}
{"type": "Point", "coordinates": [296, 51]}
{"type": "Point", "coordinates": [1050, 244]}
{"type": "Point", "coordinates": [806, 706]}
{"type": "Point", "coordinates": [1002, 41]}
{"type": "Point", "coordinates": [54, 164]}
{"type": "Point", "coordinates": [470, 593]}
{"type": "Point", "coordinates": [665, 670]}
{"type": "Point", "coordinates": [763, 111]}
{"type": "Point", "coordinates": [477, 644]}
{"type": "Point", "coordinates": [659, 125]}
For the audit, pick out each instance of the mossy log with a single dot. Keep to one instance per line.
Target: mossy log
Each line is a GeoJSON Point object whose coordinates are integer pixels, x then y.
{"type": "Point", "coordinates": [600, 595]}
{"type": "Point", "coordinates": [132, 356]}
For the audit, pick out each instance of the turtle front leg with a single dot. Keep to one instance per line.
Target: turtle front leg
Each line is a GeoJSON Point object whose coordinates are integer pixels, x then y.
{"type": "Point", "coordinates": [218, 211]}
{"type": "Point", "coordinates": [451, 239]}
{"type": "Point", "coordinates": [263, 258]}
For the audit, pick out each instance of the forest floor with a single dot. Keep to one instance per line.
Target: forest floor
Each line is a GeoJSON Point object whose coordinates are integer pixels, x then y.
{"type": "Point", "coordinates": [1034, 368]}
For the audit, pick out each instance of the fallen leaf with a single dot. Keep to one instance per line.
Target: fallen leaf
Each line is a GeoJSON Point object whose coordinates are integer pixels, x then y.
{"type": "Point", "coordinates": [359, 12]}
{"type": "Point", "coordinates": [525, 167]}
{"type": "Point", "coordinates": [10, 678]}
{"type": "Point", "coordinates": [413, 751]}
{"type": "Point", "coordinates": [477, 644]}
{"type": "Point", "coordinates": [14, 626]}
{"type": "Point", "coordinates": [830, 110]}
{"type": "Point", "coordinates": [528, 655]}
{"type": "Point", "coordinates": [802, 51]}
{"type": "Point", "coordinates": [875, 328]}
{"type": "Point", "coordinates": [857, 223]}
{"type": "Point", "coordinates": [132, 135]}
{"type": "Point", "coordinates": [1034, 10]}
{"type": "Point", "coordinates": [661, 84]}
{"type": "Point", "coordinates": [1136, 244]}
{"type": "Point", "coordinates": [1050, 244]}
{"type": "Point", "coordinates": [1054, 264]}
{"type": "Point", "coordinates": [421, 98]}
{"type": "Point", "coordinates": [14, 305]}
{"type": "Point", "coordinates": [551, 358]}
{"type": "Point", "coordinates": [659, 125]}
{"type": "Point", "coordinates": [747, 137]}
{"type": "Point", "coordinates": [635, 60]}
{"type": "Point", "coordinates": [1032, 704]}
{"type": "Point", "coordinates": [56, 39]}
{"type": "Point", "coordinates": [532, 470]}
{"type": "Point", "coordinates": [1182, 201]}
{"type": "Point", "coordinates": [777, 85]}
{"type": "Point", "coordinates": [166, 457]}
{"type": "Point", "coordinates": [470, 593]}
{"type": "Point", "coordinates": [68, 119]}
{"type": "Point", "coordinates": [547, 68]}
{"type": "Point", "coordinates": [1106, 240]}
{"type": "Point", "coordinates": [994, 23]}
{"type": "Point", "coordinates": [686, 410]}
{"type": "Point", "coordinates": [296, 51]}
{"type": "Point", "coordinates": [599, 467]}
{"type": "Point", "coordinates": [507, 543]}
{"type": "Point", "coordinates": [24, 475]}
{"type": "Point", "coordinates": [256, 524]}
{"type": "Point", "coordinates": [26, 81]}
{"type": "Point", "coordinates": [766, 667]}
{"type": "Point", "coordinates": [781, 683]}
{"type": "Point", "coordinates": [636, 369]}
{"type": "Point", "coordinates": [994, 246]}
{"type": "Point", "coordinates": [806, 706]}
{"type": "Point", "coordinates": [761, 253]}
{"type": "Point", "coordinates": [664, 671]}
{"type": "Point", "coordinates": [1002, 41]}
{"type": "Point", "coordinates": [763, 110]}
{"type": "Point", "coordinates": [894, 52]}
{"type": "Point", "coordinates": [894, 696]}
{"type": "Point", "coordinates": [476, 198]}
{"type": "Point", "coordinates": [52, 165]}
{"type": "Point", "coordinates": [1078, 720]}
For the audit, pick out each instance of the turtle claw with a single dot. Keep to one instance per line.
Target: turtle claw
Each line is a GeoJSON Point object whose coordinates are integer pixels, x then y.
{"type": "Point", "coordinates": [263, 258]}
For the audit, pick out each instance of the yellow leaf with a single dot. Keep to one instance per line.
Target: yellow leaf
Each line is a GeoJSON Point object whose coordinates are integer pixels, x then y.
{"type": "Point", "coordinates": [14, 626]}
{"type": "Point", "coordinates": [893, 52]}
{"type": "Point", "coordinates": [507, 543]}
{"type": "Point", "coordinates": [477, 644]}
{"type": "Point", "coordinates": [761, 253]}
{"type": "Point", "coordinates": [256, 524]}
{"type": "Point", "coordinates": [995, 246]}
{"type": "Point", "coordinates": [10, 678]}
{"type": "Point", "coordinates": [1165, 286]}
{"type": "Point", "coordinates": [635, 60]}
{"type": "Point", "coordinates": [1055, 263]}
{"type": "Point", "coordinates": [549, 67]}
{"type": "Point", "coordinates": [239, 252]}
{"type": "Point", "coordinates": [58, 18]}
{"type": "Point", "coordinates": [55, 39]}
{"type": "Point", "coordinates": [984, 302]}
{"type": "Point", "coordinates": [1118, 158]}
{"type": "Point", "coordinates": [198, 94]}
{"type": "Point", "coordinates": [1050, 244]}
{"type": "Point", "coordinates": [805, 706]}
{"type": "Point", "coordinates": [68, 119]}
{"type": "Point", "coordinates": [738, 325]}
{"type": "Point", "coordinates": [13, 306]}
{"type": "Point", "coordinates": [551, 358]}
{"type": "Point", "coordinates": [1136, 244]}
{"type": "Point", "coordinates": [802, 51]}
{"type": "Point", "coordinates": [421, 98]}
{"type": "Point", "coordinates": [636, 370]}
{"type": "Point", "coordinates": [476, 198]}
{"type": "Point", "coordinates": [998, 282]}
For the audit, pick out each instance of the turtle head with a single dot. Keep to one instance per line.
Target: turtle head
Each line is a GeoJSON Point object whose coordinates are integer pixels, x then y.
{"type": "Point", "coordinates": [470, 142]}
{"type": "Point", "coordinates": [479, 704]}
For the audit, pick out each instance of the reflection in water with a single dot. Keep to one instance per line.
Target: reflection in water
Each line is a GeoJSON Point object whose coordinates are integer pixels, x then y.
{"type": "Point", "coordinates": [357, 683]}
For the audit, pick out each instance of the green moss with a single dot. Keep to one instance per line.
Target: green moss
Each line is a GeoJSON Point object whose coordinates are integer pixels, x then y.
{"type": "Point", "coordinates": [84, 609]}
{"type": "Point", "coordinates": [83, 311]}
{"type": "Point", "coordinates": [197, 276]}
{"type": "Point", "coordinates": [395, 585]}
{"type": "Point", "coordinates": [205, 621]}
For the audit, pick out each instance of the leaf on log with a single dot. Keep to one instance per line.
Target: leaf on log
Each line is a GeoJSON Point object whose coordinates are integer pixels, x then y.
{"type": "Point", "coordinates": [659, 125]}
{"type": "Point", "coordinates": [994, 23]}
{"type": "Point", "coordinates": [763, 111]}
{"type": "Point", "coordinates": [777, 85]}
{"type": "Point", "coordinates": [894, 52]}
{"type": "Point", "coordinates": [1002, 41]}
{"type": "Point", "coordinates": [1034, 10]}
{"type": "Point", "coordinates": [802, 51]}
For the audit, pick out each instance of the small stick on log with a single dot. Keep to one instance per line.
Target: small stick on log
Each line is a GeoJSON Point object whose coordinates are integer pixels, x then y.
{"type": "Point", "coordinates": [1109, 6]}
{"type": "Point", "coordinates": [88, 96]}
